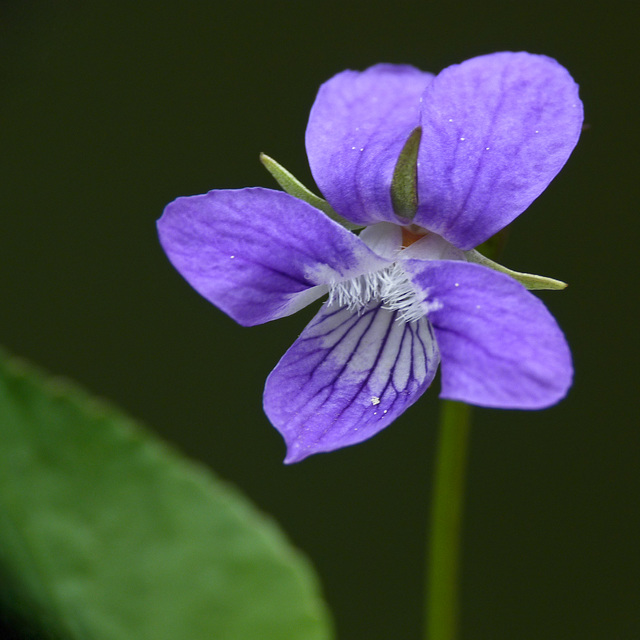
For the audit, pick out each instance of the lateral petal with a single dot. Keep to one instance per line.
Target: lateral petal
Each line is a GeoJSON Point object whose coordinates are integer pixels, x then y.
{"type": "Point", "coordinates": [499, 344]}
{"type": "Point", "coordinates": [496, 129]}
{"type": "Point", "coordinates": [347, 377]}
{"type": "Point", "coordinates": [357, 128]}
{"type": "Point", "coordinates": [259, 254]}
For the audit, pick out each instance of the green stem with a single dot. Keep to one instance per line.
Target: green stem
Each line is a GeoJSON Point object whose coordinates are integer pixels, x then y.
{"type": "Point", "coordinates": [443, 554]}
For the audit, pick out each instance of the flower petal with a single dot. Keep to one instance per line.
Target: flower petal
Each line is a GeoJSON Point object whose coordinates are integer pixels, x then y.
{"type": "Point", "coordinates": [357, 128]}
{"type": "Point", "coordinates": [347, 377]}
{"type": "Point", "coordinates": [384, 238]}
{"type": "Point", "coordinates": [432, 247]}
{"type": "Point", "coordinates": [496, 129]}
{"type": "Point", "coordinates": [259, 254]}
{"type": "Point", "coordinates": [500, 346]}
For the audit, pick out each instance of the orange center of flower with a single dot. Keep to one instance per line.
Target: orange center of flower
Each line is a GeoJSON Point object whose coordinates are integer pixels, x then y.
{"type": "Point", "coordinates": [412, 234]}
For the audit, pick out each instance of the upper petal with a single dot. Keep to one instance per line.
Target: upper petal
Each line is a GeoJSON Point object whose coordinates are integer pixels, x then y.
{"type": "Point", "coordinates": [259, 254]}
{"type": "Point", "coordinates": [347, 377]}
{"type": "Point", "coordinates": [357, 128]}
{"type": "Point", "coordinates": [499, 344]}
{"type": "Point", "coordinates": [496, 129]}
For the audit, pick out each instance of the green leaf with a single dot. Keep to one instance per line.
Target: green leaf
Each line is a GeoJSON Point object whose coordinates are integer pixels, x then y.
{"type": "Point", "coordinates": [404, 184]}
{"type": "Point", "coordinates": [107, 534]}
{"type": "Point", "coordinates": [295, 188]}
{"type": "Point", "coordinates": [529, 280]}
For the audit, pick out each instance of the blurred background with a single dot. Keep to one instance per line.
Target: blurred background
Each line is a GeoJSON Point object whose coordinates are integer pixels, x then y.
{"type": "Point", "coordinates": [109, 110]}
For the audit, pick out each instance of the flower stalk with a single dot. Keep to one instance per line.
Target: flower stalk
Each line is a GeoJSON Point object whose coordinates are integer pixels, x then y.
{"type": "Point", "coordinates": [444, 542]}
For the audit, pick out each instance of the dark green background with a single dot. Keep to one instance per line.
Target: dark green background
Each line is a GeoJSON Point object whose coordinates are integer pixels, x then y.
{"type": "Point", "coordinates": [109, 110]}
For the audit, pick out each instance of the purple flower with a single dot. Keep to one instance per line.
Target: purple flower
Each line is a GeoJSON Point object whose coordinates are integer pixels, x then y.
{"type": "Point", "coordinates": [407, 291]}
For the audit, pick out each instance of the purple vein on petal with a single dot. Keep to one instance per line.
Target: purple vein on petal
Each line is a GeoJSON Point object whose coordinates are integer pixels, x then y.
{"type": "Point", "coordinates": [347, 377]}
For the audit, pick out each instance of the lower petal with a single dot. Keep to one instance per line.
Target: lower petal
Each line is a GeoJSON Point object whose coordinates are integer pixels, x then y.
{"type": "Point", "coordinates": [348, 376]}
{"type": "Point", "coordinates": [500, 345]}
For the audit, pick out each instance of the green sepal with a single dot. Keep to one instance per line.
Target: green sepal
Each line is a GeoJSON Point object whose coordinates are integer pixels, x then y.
{"type": "Point", "coordinates": [404, 185]}
{"type": "Point", "coordinates": [295, 188]}
{"type": "Point", "coordinates": [529, 280]}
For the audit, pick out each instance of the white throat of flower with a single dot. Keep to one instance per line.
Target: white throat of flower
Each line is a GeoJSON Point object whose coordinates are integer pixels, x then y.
{"type": "Point", "coordinates": [390, 285]}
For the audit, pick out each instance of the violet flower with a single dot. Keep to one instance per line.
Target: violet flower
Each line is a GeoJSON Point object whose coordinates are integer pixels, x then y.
{"type": "Point", "coordinates": [407, 292]}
